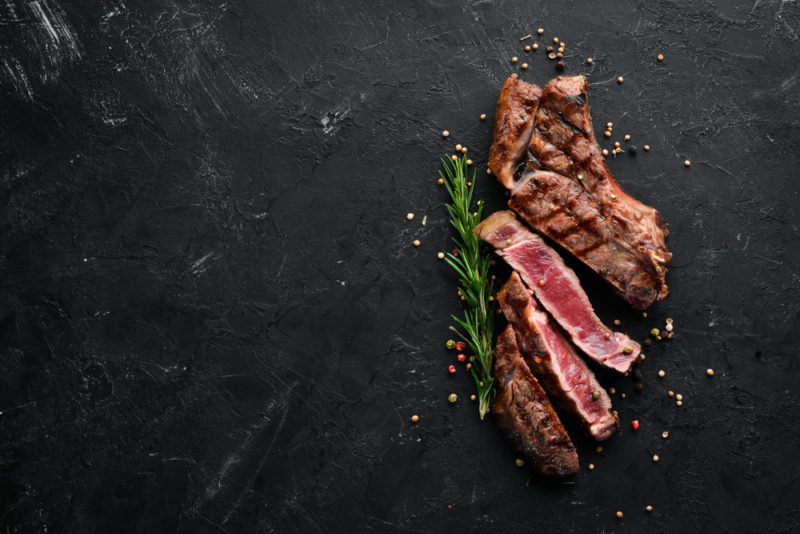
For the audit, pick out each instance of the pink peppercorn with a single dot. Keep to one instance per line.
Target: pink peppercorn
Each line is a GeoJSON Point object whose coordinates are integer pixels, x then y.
{"type": "Point", "coordinates": [461, 357]}
{"type": "Point", "coordinates": [460, 345]}
{"type": "Point", "coordinates": [452, 369]}
{"type": "Point", "coordinates": [635, 424]}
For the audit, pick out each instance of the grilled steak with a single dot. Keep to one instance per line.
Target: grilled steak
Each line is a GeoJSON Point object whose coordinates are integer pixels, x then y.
{"type": "Point", "coordinates": [579, 204]}
{"type": "Point", "coordinates": [513, 125]}
{"type": "Point", "coordinates": [558, 289]}
{"type": "Point", "coordinates": [565, 376]}
{"type": "Point", "coordinates": [526, 416]}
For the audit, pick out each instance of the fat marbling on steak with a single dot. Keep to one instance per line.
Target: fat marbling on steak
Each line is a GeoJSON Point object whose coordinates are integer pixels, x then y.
{"type": "Point", "coordinates": [565, 376]}
{"type": "Point", "coordinates": [513, 126]}
{"type": "Point", "coordinates": [558, 289]}
{"type": "Point", "coordinates": [526, 415]}
{"type": "Point", "coordinates": [579, 204]}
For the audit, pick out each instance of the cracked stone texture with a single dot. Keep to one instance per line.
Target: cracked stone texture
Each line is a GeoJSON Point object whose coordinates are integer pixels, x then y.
{"type": "Point", "coordinates": [212, 318]}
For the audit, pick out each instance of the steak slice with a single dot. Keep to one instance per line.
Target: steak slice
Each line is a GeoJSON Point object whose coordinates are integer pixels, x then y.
{"type": "Point", "coordinates": [561, 209]}
{"type": "Point", "coordinates": [513, 125]}
{"type": "Point", "coordinates": [525, 414]}
{"type": "Point", "coordinates": [563, 141]}
{"type": "Point", "coordinates": [565, 376]}
{"type": "Point", "coordinates": [558, 289]}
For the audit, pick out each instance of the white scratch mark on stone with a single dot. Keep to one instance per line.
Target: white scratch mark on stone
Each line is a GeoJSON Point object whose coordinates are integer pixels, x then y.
{"type": "Point", "coordinates": [200, 265]}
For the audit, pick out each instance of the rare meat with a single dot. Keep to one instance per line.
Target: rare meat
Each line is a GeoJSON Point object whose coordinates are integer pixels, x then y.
{"type": "Point", "coordinates": [513, 125]}
{"type": "Point", "coordinates": [558, 289]}
{"type": "Point", "coordinates": [525, 414]}
{"type": "Point", "coordinates": [565, 376]}
{"type": "Point", "coordinates": [617, 236]}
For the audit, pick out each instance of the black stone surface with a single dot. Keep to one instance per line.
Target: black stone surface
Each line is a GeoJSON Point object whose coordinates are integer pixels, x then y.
{"type": "Point", "coordinates": [212, 318]}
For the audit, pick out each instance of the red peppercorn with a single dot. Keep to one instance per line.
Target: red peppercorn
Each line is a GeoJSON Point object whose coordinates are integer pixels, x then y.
{"type": "Point", "coordinates": [635, 424]}
{"type": "Point", "coordinates": [461, 357]}
{"type": "Point", "coordinates": [460, 345]}
{"type": "Point", "coordinates": [455, 252]}
{"type": "Point", "coordinates": [452, 369]}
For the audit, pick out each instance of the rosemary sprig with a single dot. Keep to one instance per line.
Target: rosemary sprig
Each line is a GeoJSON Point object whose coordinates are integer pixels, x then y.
{"type": "Point", "coordinates": [472, 266]}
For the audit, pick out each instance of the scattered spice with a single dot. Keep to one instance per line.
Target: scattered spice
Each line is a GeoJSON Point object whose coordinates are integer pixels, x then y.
{"type": "Point", "coordinates": [527, 48]}
{"type": "Point", "coordinates": [452, 398]}
{"type": "Point", "coordinates": [414, 418]}
{"type": "Point", "coordinates": [635, 424]}
{"type": "Point", "coordinates": [679, 397]}
{"type": "Point", "coordinates": [526, 37]}
{"type": "Point", "coordinates": [679, 403]}
{"type": "Point", "coordinates": [589, 60]}
{"type": "Point", "coordinates": [464, 151]}
{"type": "Point", "coordinates": [460, 345]}
{"type": "Point", "coordinates": [416, 243]}
{"type": "Point", "coordinates": [440, 255]}
{"type": "Point", "coordinates": [620, 79]}
{"type": "Point", "coordinates": [655, 332]}
{"type": "Point", "coordinates": [524, 66]}
{"type": "Point", "coordinates": [461, 357]}
{"type": "Point", "coordinates": [472, 397]}
{"type": "Point", "coordinates": [410, 216]}
{"type": "Point", "coordinates": [595, 394]}
{"type": "Point", "coordinates": [483, 116]}
{"type": "Point", "coordinates": [660, 57]}
{"type": "Point", "coordinates": [514, 59]}
{"type": "Point", "coordinates": [661, 373]}
{"type": "Point", "coordinates": [424, 220]}
{"type": "Point", "coordinates": [536, 46]}
{"type": "Point", "coordinates": [454, 158]}
{"type": "Point", "coordinates": [560, 66]}
{"type": "Point", "coordinates": [555, 40]}
{"type": "Point", "coordinates": [519, 462]}
{"type": "Point", "coordinates": [668, 328]}
{"type": "Point", "coordinates": [488, 171]}
{"type": "Point", "coordinates": [619, 514]}
{"type": "Point", "coordinates": [627, 137]}
{"type": "Point", "coordinates": [458, 147]}
{"type": "Point", "coordinates": [452, 369]}
{"type": "Point", "coordinates": [469, 162]}
{"type": "Point", "coordinates": [655, 457]}
{"type": "Point", "coordinates": [540, 31]}
{"type": "Point", "coordinates": [607, 133]}
{"type": "Point", "coordinates": [687, 163]}
{"type": "Point", "coordinates": [591, 466]}
{"type": "Point", "coordinates": [445, 133]}
{"type": "Point", "coordinates": [450, 343]}
{"type": "Point", "coordinates": [617, 322]}
{"type": "Point", "coordinates": [710, 372]}
{"type": "Point", "coordinates": [647, 148]}
{"type": "Point", "coordinates": [632, 151]}
{"type": "Point", "coordinates": [599, 448]}
{"type": "Point", "coordinates": [649, 508]}
{"type": "Point", "coordinates": [670, 393]}
{"type": "Point", "coordinates": [665, 434]}
{"type": "Point", "coordinates": [551, 55]}
{"type": "Point", "coordinates": [628, 349]}
{"type": "Point", "coordinates": [440, 181]}
{"type": "Point", "coordinates": [605, 152]}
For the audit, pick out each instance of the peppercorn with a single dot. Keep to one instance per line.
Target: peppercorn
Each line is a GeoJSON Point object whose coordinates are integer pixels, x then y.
{"type": "Point", "coordinates": [687, 163]}
{"type": "Point", "coordinates": [452, 398]}
{"type": "Point", "coordinates": [460, 345]}
{"type": "Point", "coordinates": [514, 59]}
{"type": "Point", "coordinates": [440, 255]}
{"type": "Point", "coordinates": [450, 344]}
{"type": "Point", "coordinates": [527, 48]}
{"type": "Point", "coordinates": [540, 31]}
{"type": "Point", "coordinates": [646, 148]}
{"type": "Point", "coordinates": [710, 372]}
{"type": "Point", "coordinates": [620, 79]}
{"type": "Point", "coordinates": [519, 462]}
{"type": "Point", "coordinates": [632, 151]}
{"type": "Point", "coordinates": [524, 65]}
{"type": "Point", "coordinates": [483, 116]}
{"type": "Point", "coordinates": [617, 322]}
{"type": "Point", "coordinates": [635, 424]}
{"type": "Point", "coordinates": [414, 418]}
{"type": "Point", "coordinates": [452, 369]}
{"type": "Point", "coordinates": [461, 357]}
{"type": "Point", "coordinates": [655, 457]}
{"type": "Point", "coordinates": [628, 349]}
{"type": "Point", "coordinates": [619, 514]}
{"type": "Point", "coordinates": [638, 387]}
{"type": "Point", "coordinates": [655, 332]}
{"type": "Point", "coordinates": [661, 373]}
{"type": "Point", "coordinates": [445, 133]}
{"type": "Point", "coordinates": [595, 394]}
{"type": "Point", "coordinates": [548, 48]}
{"type": "Point", "coordinates": [589, 60]}
{"type": "Point", "coordinates": [551, 55]}
{"type": "Point", "coordinates": [660, 57]}
{"type": "Point", "coordinates": [416, 242]}
{"type": "Point", "coordinates": [560, 66]}
{"type": "Point", "coordinates": [649, 508]}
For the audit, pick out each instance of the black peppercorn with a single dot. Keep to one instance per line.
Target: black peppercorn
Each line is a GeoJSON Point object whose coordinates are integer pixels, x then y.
{"type": "Point", "coordinates": [560, 66]}
{"type": "Point", "coordinates": [632, 151]}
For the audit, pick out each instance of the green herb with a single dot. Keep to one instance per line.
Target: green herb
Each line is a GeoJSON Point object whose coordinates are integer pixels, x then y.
{"type": "Point", "coordinates": [472, 266]}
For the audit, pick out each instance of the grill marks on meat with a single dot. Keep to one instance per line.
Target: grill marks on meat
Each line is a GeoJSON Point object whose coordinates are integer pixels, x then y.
{"type": "Point", "coordinates": [558, 289]}
{"type": "Point", "coordinates": [563, 141]}
{"type": "Point", "coordinates": [561, 209]}
{"type": "Point", "coordinates": [526, 415]}
{"type": "Point", "coordinates": [565, 376]}
{"type": "Point", "coordinates": [513, 125]}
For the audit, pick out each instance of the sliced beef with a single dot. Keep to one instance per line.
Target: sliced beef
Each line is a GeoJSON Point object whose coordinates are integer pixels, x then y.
{"type": "Point", "coordinates": [513, 125]}
{"type": "Point", "coordinates": [525, 414]}
{"type": "Point", "coordinates": [563, 141]}
{"type": "Point", "coordinates": [565, 376]}
{"type": "Point", "coordinates": [558, 289]}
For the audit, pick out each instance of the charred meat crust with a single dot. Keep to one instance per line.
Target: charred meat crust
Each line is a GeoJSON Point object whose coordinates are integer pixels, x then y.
{"type": "Point", "coordinates": [513, 125]}
{"type": "Point", "coordinates": [563, 141]}
{"type": "Point", "coordinates": [525, 414]}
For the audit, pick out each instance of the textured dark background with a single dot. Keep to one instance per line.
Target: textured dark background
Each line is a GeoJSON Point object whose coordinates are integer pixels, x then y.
{"type": "Point", "coordinates": [212, 318]}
